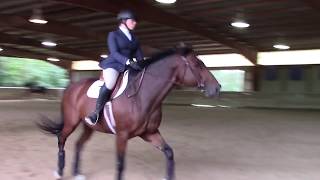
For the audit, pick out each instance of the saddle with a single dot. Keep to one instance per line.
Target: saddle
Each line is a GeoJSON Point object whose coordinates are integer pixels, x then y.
{"type": "Point", "coordinates": [120, 87]}
{"type": "Point", "coordinates": [121, 84]}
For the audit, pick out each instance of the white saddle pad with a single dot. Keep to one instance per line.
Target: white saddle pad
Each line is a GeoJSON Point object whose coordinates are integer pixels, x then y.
{"type": "Point", "coordinates": [93, 91]}
{"type": "Point", "coordinates": [108, 115]}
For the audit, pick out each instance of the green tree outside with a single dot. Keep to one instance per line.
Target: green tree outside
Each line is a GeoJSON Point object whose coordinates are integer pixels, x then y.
{"type": "Point", "coordinates": [230, 80]}
{"type": "Point", "coordinates": [16, 72]}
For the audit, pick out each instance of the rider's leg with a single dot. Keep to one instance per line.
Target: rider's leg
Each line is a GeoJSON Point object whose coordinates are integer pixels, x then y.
{"type": "Point", "coordinates": [110, 77]}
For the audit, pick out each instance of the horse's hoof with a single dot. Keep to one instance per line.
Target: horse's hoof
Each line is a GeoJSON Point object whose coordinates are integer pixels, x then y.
{"type": "Point", "coordinates": [79, 177]}
{"type": "Point", "coordinates": [57, 175]}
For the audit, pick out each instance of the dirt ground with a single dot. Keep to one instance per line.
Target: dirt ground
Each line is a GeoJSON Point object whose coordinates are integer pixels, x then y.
{"type": "Point", "coordinates": [209, 144]}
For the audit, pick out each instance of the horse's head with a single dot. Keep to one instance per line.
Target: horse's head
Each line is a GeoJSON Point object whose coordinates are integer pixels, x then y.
{"type": "Point", "coordinates": [193, 72]}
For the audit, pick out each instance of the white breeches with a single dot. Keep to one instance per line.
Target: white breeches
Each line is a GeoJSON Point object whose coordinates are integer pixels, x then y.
{"type": "Point", "coordinates": [110, 77]}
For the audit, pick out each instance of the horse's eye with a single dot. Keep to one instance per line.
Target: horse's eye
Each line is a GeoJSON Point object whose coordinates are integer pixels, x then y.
{"type": "Point", "coordinates": [200, 64]}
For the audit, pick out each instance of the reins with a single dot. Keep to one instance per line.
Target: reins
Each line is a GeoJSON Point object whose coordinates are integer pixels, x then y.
{"type": "Point", "coordinates": [200, 83]}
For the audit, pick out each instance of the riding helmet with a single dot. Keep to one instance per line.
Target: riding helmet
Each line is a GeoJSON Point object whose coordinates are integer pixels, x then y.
{"type": "Point", "coordinates": [126, 14]}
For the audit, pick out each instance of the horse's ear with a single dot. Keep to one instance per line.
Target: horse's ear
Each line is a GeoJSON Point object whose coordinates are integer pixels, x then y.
{"type": "Point", "coordinates": [183, 49]}
{"type": "Point", "coordinates": [181, 45]}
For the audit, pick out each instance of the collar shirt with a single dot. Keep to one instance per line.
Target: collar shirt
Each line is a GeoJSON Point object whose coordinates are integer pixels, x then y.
{"type": "Point", "coordinates": [126, 32]}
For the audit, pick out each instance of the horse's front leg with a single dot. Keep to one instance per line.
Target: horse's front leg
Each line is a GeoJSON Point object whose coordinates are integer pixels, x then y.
{"type": "Point", "coordinates": [157, 140]}
{"type": "Point", "coordinates": [121, 145]}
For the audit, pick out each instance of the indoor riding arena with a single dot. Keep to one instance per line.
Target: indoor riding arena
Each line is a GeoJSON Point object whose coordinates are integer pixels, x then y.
{"type": "Point", "coordinates": [250, 111]}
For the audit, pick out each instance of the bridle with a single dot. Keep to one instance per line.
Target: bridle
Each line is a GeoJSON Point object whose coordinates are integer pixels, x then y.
{"type": "Point", "coordinates": [200, 81]}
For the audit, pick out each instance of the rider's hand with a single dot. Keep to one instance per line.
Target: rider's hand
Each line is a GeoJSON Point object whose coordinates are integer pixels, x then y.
{"type": "Point", "coordinates": [134, 65]}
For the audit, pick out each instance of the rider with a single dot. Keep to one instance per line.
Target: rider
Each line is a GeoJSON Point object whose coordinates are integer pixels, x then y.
{"type": "Point", "coordinates": [123, 48]}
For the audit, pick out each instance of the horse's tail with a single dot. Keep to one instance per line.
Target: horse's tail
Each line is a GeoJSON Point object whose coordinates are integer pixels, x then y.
{"type": "Point", "coordinates": [50, 126]}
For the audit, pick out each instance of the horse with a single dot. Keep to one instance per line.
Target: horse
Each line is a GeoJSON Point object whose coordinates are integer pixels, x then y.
{"type": "Point", "coordinates": [136, 114]}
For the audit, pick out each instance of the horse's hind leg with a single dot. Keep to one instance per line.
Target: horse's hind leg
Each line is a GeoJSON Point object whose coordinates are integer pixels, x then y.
{"type": "Point", "coordinates": [157, 140]}
{"type": "Point", "coordinates": [85, 136]}
{"type": "Point", "coordinates": [70, 125]}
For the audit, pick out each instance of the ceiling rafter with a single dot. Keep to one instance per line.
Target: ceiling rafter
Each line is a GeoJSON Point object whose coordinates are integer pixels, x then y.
{"type": "Point", "coordinates": [288, 21]}
{"type": "Point", "coordinates": [150, 13]}
{"type": "Point", "coordinates": [240, 7]}
{"type": "Point", "coordinates": [196, 3]}
{"type": "Point", "coordinates": [42, 52]}
{"type": "Point", "coordinates": [53, 27]}
{"type": "Point", "coordinates": [10, 39]}
{"type": "Point", "coordinates": [313, 4]}
{"type": "Point", "coordinates": [13, 52]}
{"type": "Point", "coordinates": [223, 18]}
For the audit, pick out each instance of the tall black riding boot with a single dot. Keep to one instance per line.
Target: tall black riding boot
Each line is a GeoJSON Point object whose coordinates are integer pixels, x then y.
{"type": "Point", "coordinates": [104, 96]}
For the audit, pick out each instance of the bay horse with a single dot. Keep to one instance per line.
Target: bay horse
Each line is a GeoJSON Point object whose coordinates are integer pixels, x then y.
{"type": "Point", "coordinates": [138, 115]}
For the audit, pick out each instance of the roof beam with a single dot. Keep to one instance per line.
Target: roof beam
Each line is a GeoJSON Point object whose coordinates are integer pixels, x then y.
{"type": "Point", "coordinates": [150, 13]}
{"type": "Point", "coordinates": [313, 4]}
{"type": "Point", "coordinates": [43, 54]}
{"type": "Point", "coordinates": [10, 39]}
{"type": "Point", "coordinates": [13, 52]}
{"type": "Point", "coordinates": [52, 27]}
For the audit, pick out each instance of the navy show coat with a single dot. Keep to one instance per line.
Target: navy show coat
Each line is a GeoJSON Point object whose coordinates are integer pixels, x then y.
{"type": "Point", "coordinates": [120, 50]}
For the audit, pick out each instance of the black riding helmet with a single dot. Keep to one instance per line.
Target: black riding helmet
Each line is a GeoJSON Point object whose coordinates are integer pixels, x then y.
{"type": "Point", "coordinates": [126, 14]}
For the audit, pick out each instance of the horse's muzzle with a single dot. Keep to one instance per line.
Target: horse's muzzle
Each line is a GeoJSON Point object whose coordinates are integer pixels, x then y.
{"type": "Point", "coordinates": [213, 90]}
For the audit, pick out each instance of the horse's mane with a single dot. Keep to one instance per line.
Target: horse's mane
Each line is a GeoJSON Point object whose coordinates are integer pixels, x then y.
{"type": "Point", "coordinates": [164, 54]}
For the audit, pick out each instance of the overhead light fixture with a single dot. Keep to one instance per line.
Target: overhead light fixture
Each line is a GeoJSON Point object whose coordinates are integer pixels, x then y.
{"type": "Point", "coordinates": [37, 17]}
{"type": "Point", "coordinates": [281, 46]}
{"type": "Point", "coordinates": [38, 21]}
{"type": "Point", "coordinates": [103, 55]}
{"type": "Point", "coordinates": [1, 49]}
{"type": "Point", "coordinates": [166, 1]}
{"type": "Point", "coordinates": [240, 24]}
{"type": "Point", "coordinates": [53, 59]}
{"type": "Point", "coordinates": [49, 43]}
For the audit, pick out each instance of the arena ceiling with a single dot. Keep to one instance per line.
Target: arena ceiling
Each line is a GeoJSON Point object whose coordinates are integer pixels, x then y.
{"type": "Point", "coordinates": [80, 27]}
